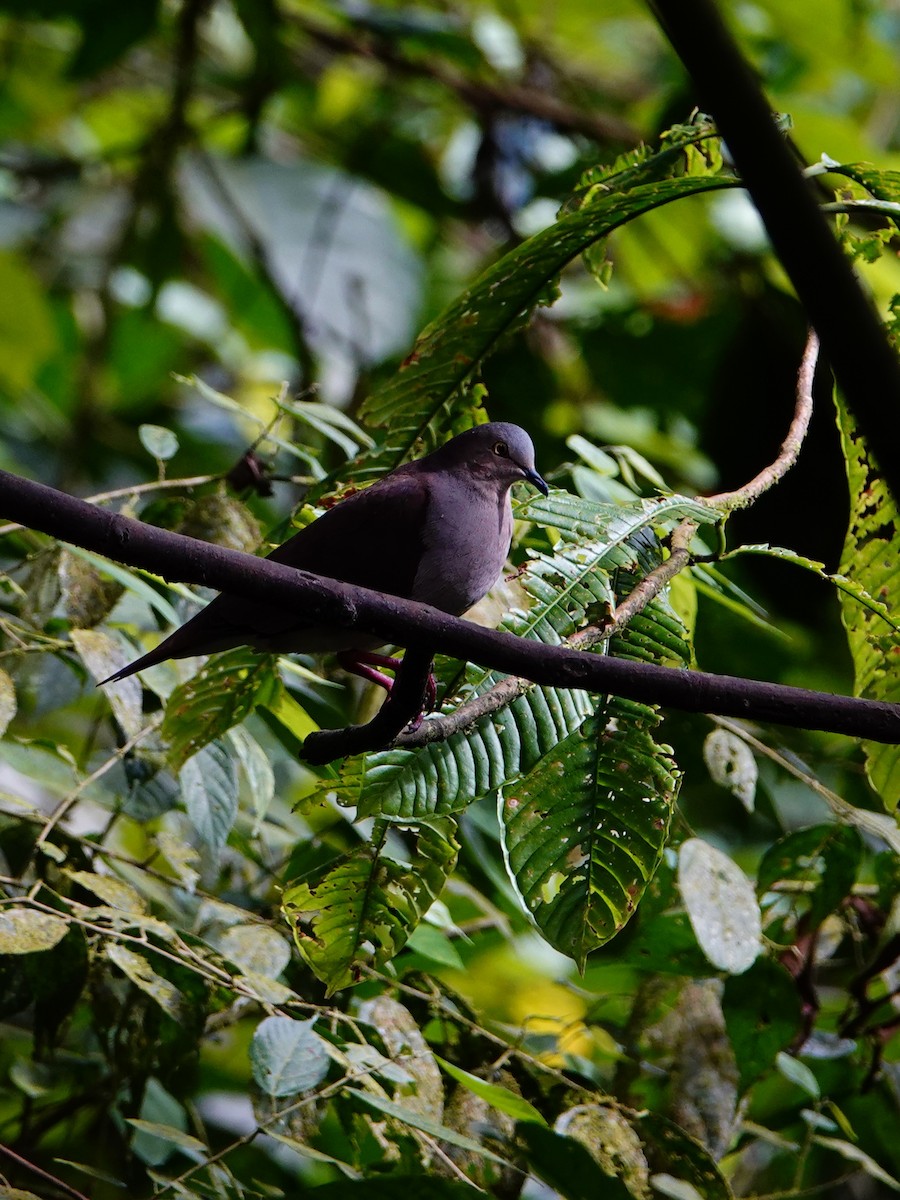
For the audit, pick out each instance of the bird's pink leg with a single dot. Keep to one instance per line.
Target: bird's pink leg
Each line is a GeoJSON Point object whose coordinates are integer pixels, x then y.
{"type": "Point", "coordinates": [363, 664]}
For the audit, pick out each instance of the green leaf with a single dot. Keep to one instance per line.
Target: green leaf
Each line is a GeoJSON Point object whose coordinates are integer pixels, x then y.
{"type": "Point", "coordinates": [584, 831]}
{"type": "Point", "coordinates": [672, 1152]}
{"type": "Point", "coordinates": [288, 1057]}
{"type": "Point", "coordinates": [102, 654]}
{"type": "Point", "coordinates": [132, 581]}
{"type": "Point", "coordinates": [171, 1135]}
{"type": "Point", "coordinates": [566, 1166]}
{"type": "Point", "coordinates": [112, 891]}
{"type": "Point", "coordinates": [220, 696]}
{"type": "Point", "coordinates": [210, 792]}
{"type": "Point", "coordinates": [798, 1073]}
{"type": "Point", "coordinates": [256, 949]}
{"type": "Point", "coordinates": [855, 1155]}
{"type": "Point", "coordinates": [722, 906]}
{"type": "Point", "coordinates": [870, 554]}
{"type": "Point", "coordinates": [362, 908]}
{"type": "Point", "coordinates": [26, 931]}
{"type": "Point", "coordinates": [417, 1121]}
{"type": "Point", "coordinates": [762, 1017]}
{"type": "Point", "coordinates": [498, 1097]}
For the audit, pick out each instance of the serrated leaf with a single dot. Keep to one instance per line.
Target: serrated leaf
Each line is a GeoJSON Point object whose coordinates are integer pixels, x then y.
{"type": "Point", "coordinates": [288, 1057]}
{"type": "Point", "coordinates": [7, 701]}
{"type": "Point", "coordinates": [221, 695]}
{"type": "Point", "coordinates": [158, 441]}
{"type": "Point", "coordinates": [361, 909]}
{"type": "Point", "coordinates": [870, 555]}
{"type": "Point", "coordinates": [210, 791]}
{"type": "Point", "coordinates": [721, 904]}
{"type": "Point", "coordinates": [142, 975]}
{"type": "Point", "coordinates": [103, 654]}
{"type": "Point", "coordinates": [26, 931]}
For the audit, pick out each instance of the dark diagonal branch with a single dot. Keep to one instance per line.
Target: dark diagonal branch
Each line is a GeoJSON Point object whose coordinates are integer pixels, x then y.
{"type": "Point", "coordinates": [419, 627]}
{"type": "Point", "coordinates": [853, 338]}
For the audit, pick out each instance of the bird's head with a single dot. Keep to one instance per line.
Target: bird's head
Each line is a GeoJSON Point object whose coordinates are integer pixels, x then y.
{"type": "Point", "coordinates": [498, 452]}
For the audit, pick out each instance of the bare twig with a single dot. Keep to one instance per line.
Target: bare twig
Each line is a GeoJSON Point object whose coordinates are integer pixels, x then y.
{"type": "Point", "coordinates": [790, 447]}
{"type": "Point", "coordinates": [34, 1169]}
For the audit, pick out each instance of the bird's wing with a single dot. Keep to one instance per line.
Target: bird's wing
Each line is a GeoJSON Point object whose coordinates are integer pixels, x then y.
{"type": "Point", "coordinates": [373, 538]}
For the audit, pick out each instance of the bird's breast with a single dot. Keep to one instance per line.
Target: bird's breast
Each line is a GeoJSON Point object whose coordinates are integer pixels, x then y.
{"type": "Point", "coordinates": [466, 541]}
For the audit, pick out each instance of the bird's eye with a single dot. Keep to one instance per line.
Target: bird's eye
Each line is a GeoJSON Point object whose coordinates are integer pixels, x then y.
{"type": "Point", "coordinates": [501, 449]}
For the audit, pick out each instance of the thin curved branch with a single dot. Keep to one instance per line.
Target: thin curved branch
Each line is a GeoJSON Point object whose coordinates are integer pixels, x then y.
{"type": "Point", "coordinates": [418, 626]}
{"type": "Point", "coordinates": [790, 448]}
{"type": "Point", "coordinates": [842, 313]}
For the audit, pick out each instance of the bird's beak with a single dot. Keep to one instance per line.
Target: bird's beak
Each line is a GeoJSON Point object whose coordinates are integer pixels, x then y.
{"type": "Point", "coordinates": [535, 479]}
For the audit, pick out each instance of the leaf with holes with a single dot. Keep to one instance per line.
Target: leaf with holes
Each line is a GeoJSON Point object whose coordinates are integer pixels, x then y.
{"type": "Point", "coordinates": [584, 831]}
{"type": "Point", "coordinates": [360, 909]}
{"type": "Point", "coordinates": [219, 697]}
{"type": "Point", "coordinates": [871, 551]}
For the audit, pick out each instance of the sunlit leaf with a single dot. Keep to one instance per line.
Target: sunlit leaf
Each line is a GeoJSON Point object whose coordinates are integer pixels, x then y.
{"type": "Point", "coordinates": [25, 930]}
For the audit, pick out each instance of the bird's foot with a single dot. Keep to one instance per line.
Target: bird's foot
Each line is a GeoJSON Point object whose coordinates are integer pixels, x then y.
{"type": "Point", "coordinates": [363, 664]}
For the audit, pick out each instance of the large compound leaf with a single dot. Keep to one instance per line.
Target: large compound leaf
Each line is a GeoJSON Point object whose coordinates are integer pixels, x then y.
{"type": "Point", "coordinates": [416, 402]}
{"type": "Point", "coordinates": [584, 831]}
{"type": "Point", "coordinates": [871, 556]}
{"type": "Point", "coordinates": [360, 910]}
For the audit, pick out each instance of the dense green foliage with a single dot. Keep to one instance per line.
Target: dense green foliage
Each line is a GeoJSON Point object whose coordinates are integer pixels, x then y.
{"type": "Point", "coordinates": [581, 946]}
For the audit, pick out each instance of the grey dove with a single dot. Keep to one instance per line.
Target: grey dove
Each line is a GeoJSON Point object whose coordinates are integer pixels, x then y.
{"type": "Point", "coordinates": [436, 530]}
